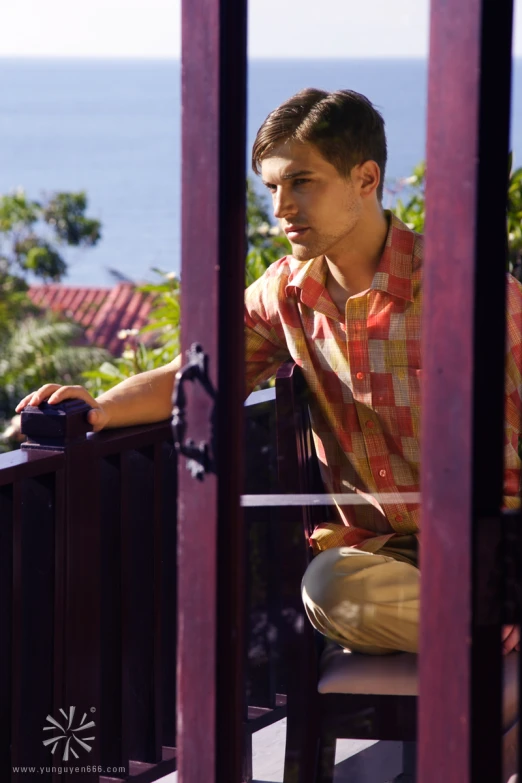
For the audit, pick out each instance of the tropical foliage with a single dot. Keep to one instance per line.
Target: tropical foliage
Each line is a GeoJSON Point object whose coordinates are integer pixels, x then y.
{"type": "Point", "coordinates": [138, 356]}
{"type": "Point", "coordinates": [514, 221]}
{"type": "Point", "coordinates": [37, 351]}
{"type": "Point", "coordinates": [266, 242]}
{"type": "Point", "coordinates": [412, 210]}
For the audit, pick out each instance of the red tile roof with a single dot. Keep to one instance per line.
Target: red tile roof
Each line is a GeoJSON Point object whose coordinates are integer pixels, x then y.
{"type": "Point", "coordinates": [102, 311]}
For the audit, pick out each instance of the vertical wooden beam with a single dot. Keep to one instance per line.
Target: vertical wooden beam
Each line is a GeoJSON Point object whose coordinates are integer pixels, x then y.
{"type": "Point", "coordinates": [464, 325]}
{"type": "Point", "coordinates": [213, 250]}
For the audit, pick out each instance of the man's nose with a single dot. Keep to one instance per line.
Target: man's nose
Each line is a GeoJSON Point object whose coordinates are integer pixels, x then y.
{"type": "Point", "coordinates": [283, 204]}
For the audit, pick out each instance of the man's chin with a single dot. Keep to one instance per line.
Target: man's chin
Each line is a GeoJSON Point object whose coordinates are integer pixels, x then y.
{"type": "Point", "coordinates": [302, 253]}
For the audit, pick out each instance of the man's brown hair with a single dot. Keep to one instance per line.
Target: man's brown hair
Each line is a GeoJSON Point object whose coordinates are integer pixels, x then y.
{"type": "Point", "coordinates": [343, 125]}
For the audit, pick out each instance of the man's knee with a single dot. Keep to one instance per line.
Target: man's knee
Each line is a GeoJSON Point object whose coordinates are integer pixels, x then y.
{"type": "Point", "coordinates": [344, 574]}
{"type": "Point", "coordinates": [361, 600]}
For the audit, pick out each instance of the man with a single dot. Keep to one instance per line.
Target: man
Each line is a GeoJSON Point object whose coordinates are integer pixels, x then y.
{"type": "Point", "coordinates": [346, 306]}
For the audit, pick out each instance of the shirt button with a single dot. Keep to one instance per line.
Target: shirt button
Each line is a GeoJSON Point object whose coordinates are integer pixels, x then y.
{"type": "Point", "coordinates": [360, 376]}
{"type": "Point", "coordinates": [398, 518]}
{"type": "Point", "coordinates": [369, 424]}
{"type": "Point", "coordinates": [382, 473]}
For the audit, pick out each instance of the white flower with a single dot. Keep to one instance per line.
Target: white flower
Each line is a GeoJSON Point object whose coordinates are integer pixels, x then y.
{"type": "Point", "coordinates": [263, 229]}
{"type": "Point", "coordinates": [124, 333]}
{"type": "Point", "coordinates": [171, 276]}
{"type": "Point", "coordinates": [128, 354]}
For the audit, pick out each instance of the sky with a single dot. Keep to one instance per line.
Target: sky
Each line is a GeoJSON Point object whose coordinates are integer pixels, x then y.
{"type": "Point", "coordinates": [277, 28]}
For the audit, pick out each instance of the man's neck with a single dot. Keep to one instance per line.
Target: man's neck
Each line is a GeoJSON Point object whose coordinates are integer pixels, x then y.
{"type": "Point", "coordinates": [352, 269]}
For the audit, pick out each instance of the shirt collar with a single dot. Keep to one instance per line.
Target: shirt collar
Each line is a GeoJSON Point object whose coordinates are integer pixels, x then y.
{"type": "Point", "coordinates": [393, 276]}
{"type": "Point", "coordinates": [394, 273]}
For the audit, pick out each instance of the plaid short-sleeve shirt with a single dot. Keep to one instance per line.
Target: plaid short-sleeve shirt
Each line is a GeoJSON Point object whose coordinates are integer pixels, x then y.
{"type": "Point", "coordinates": [364, 371]}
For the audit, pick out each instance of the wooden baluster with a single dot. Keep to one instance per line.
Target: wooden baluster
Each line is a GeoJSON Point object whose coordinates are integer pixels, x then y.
{"type": "Point", "coordinates": [113, 727]}
{"type": "Point", "coordinates": [6, 621]}
{"type": "Point", "coordinates": [140, 526]}
{"type": "Point", "coordinates": [36, 575]}
{"type": "Point", "coordinates": [168, 556]}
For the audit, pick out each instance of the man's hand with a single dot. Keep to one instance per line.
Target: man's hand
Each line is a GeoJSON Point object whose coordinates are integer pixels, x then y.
{"type": "Point", "coordinates": [54, 393]}
{"type": "Point", "coordinates": [510, 638]}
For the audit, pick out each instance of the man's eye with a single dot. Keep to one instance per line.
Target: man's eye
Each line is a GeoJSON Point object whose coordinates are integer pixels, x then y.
{"type": "Point", "coordinates": [301, 181]}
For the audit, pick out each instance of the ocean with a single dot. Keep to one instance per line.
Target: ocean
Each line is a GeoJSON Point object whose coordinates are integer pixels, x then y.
{"type": "Point", "coordinates": [112, 128]}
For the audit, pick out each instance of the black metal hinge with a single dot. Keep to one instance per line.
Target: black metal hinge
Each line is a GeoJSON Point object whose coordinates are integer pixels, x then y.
{"type": "Point", "coordinates": [200, 457]}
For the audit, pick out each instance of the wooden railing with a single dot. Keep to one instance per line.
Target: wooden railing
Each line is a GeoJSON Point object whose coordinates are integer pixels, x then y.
{"type": "Point", "coordinates": [88, 596]}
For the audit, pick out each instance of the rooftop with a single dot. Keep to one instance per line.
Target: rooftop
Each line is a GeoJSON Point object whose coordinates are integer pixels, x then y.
{"type": "Point", "coordinates": [102, 311]}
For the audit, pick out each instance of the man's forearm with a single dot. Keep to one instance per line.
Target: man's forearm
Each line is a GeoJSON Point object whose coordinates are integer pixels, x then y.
{"type": "Point", "coordinates": [142, 399]}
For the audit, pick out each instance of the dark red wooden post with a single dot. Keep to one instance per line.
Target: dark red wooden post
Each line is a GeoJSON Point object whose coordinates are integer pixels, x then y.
{"type": "Point", "coordinates": [468, 131]}
{"type": "Point", "coordinates": [213, 248]}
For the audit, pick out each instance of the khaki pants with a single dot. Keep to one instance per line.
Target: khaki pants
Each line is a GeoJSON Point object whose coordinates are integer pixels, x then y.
{"type": "Point", "coordinates": [369, 603]}
{"type": "Point", "coordinates": [366, 602]}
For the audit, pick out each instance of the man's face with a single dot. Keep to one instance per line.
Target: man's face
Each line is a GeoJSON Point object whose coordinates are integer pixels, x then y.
{"type": "Point", "coordinates": [316, 206]}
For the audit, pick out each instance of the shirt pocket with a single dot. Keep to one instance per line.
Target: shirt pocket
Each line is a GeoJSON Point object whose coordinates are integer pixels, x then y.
{"type": "Point", "coordinates": [406, 386]}
{"type": "Point", "coordinates": [396, 398]}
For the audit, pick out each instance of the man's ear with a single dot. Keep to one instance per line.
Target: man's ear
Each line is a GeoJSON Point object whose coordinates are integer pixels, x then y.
{"type": "Point", "coordinates": [369, 176]}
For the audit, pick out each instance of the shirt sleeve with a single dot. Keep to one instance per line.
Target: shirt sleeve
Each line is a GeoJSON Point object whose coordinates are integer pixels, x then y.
{"type": "Point", "coordinates": [513, 392]}
{"type": "Point", "coordinates": [265, 343]}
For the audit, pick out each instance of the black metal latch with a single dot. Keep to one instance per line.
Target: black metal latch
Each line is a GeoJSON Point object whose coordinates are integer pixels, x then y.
{"type": "Point", "coordinates": [200, 458]}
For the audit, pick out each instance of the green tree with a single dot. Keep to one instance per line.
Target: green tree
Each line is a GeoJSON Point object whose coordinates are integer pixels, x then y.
{"type": "Point", "coordinates": [14, 302]}
{"type": "Point", "coordinates": [32, 233]}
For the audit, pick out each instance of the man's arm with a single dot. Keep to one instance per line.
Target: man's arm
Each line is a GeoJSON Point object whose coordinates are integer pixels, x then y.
{"type": "Point", "coordinates": [142, 399]}
{"type": "Point", "coordinates": [265, 341]}
{"type": "Point", "coordinates": [147, 397]}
